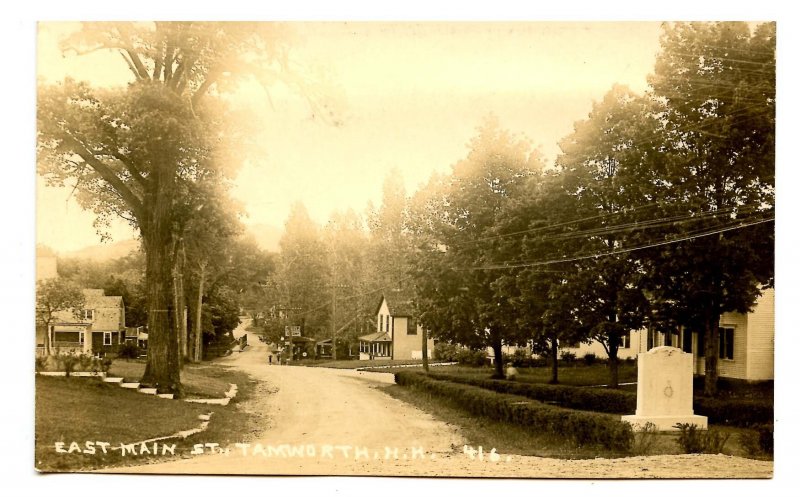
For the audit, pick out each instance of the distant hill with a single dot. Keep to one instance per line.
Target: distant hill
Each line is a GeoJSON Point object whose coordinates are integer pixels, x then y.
{"type": "Point", "coordinates": [267, 237]}
{"type": "Point", "coordinates": [104, 252]}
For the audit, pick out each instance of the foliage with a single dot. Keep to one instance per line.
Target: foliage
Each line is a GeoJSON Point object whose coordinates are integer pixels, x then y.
{"type": "Point", "coordinates": [41, 363]}
{"type": "Point", "coordinates": [53, 296]}
{"type": "Point", "coordinates": [144, 152]}
{"type": "Point", "coordinates": [588, 399]}
{"type": "Point", "coordinates": [735, 412]}
{"type": "Point", "coordinates": [693, 440]}
{"type": "Point", "coordinates": [758, 441]}
{"type": "Point", "coordinates": [568, 357]}
{"type": "Point", "coordinates": [129, 350]}
{"type": "Point", "coordinates": [644, 439]}
{"type": "Point", "coordinates": [589, 358]}
{"type": "Point", "coordinates": [451, 218]}
{"type": "Point", "coordinates": [581, 428]}
{"type": "Point", "coordinates": [718, 83]}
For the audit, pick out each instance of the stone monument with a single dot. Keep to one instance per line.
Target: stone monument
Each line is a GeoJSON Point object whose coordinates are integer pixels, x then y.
{"type": "Point", "coordinates": [664, 391]}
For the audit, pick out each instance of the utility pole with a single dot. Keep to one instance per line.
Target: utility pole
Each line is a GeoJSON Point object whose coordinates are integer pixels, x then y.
{"type": "Point", "coordinates": [333, 312]}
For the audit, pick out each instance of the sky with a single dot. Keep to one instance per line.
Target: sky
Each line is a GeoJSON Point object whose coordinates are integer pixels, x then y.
{"type": "Point", "coordinates": [411, 96]}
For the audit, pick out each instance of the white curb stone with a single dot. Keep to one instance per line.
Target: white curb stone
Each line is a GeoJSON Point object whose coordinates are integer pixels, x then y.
{"type": "Point", "coordinates": [132, 386]}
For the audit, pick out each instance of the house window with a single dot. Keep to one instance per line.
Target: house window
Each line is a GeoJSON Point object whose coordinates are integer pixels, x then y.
{"type": "Point", "coordinates": [381, 316]}
{"type": "Point", "coordinates": [726, 343]}
{"type": "Point", "coordinates": [624, 342]}
{"type": "Point", "coordinates": [88, 315]}
{"type": "Point", "coordinates": [412, 327]}
{"type": "Point", "coordinates": [80, 337]}
{"type": "Point", "coordinates": [106, 338]}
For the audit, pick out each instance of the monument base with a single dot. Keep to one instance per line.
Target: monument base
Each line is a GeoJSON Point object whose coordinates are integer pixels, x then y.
{"type": "Point", "coordinates": [666, 423]}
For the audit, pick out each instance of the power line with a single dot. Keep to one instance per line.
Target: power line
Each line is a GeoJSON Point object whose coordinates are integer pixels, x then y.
{"type": "Point", "coordinates": [618, 251]}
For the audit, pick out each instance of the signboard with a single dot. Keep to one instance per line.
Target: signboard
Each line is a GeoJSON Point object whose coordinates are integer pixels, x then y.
{"type": "Point", "coordinates": [293, 331]}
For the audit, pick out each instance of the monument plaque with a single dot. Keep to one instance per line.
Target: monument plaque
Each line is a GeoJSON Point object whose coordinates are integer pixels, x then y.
{"type": "Point", "coordinates": [664, 391]}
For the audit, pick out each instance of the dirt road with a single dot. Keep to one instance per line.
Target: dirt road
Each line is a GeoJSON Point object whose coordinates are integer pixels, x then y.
{"type": "Point", "coordinates": [336, 422]}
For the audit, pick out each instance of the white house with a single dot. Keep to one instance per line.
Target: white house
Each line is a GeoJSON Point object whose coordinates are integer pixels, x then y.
{"type": "Point", "coordinates": [397, 334]}
{"type": "Point", "coordinates": [747, 343]}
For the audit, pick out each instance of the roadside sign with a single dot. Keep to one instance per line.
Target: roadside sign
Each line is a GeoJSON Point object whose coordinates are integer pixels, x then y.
{"type": "Point", "coordinates": [293, 331]}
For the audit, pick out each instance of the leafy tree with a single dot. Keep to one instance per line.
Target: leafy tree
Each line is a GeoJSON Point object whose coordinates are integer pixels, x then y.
{"type": "Point", "coordinates": [453, 221]}
{"type": "Point", "coordinates": [136, 152]}
{"type": "Point", "coordinates": [350, 285]}
{"type": "Point", "coordinates": [53, 296]}
{"type": "Point", "coordinates": [304, 273]}
{"type": "Point", "coordinates": [544, 300]}
{"type": "Point", "coordinates": [718, 83]}
{"type": "Point", "coordinates": [602, 179]}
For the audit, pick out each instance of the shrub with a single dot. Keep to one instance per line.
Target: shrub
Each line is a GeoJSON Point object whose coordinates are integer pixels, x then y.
{"type": "Point", "coordinates": [693, 440]}
{"type": "Point", "coordinates": [589, 399]}
{"type": "Point", "coordinates": [41, 363]}
{"type": "Point", "coordinates": [589, 359]}
{"type": "Point", "coordinates": [470, 357]}
{"type": "Point", "coordinates": [68, 362]}
{"type": "Point", "coordinates": [644, 439]}
{"type": "Point", "coordinates": [758, 441]}
{"type": "Point", "coordinates": [583, 428]}
{"type": "Point", "coordinates": [736, 412]}
{"type": "Point", "coordinates": [129, 350]}
{"type": "Point", "coordinates": [568, 357]}
{"type": "Point", "coordinates": [445, 352]}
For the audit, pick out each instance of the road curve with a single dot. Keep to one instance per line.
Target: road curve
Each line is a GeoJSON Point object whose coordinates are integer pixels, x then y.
{"type": "Point", "coordinates": [336, 422]}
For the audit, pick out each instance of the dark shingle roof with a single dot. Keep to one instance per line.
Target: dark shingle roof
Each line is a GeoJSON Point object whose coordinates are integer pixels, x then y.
{"type": "Point", "coordinates": [376, 337]}
{"type": "Point", "coordinates": [400, 302]}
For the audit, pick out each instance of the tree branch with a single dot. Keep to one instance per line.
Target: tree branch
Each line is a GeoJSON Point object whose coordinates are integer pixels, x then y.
{"type": "Point", "coordinates": [130, 64]}
{"type": "Point", "coordinates": [105, 172]}
{"type": "Point", "coordinates": [135, 173]}
{"type": "Point", "coordinates": [211, 78]}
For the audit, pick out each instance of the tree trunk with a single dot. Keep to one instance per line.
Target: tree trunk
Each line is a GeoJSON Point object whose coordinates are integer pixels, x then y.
{"type": "Point", "coordinates": [163, 355]}
{"type": "Point", "coordinates": [554, 356]}
{"type": "Point", "coordinates": [613, 360]}
{"type": "Point", "coordinates": [198, 320]}
{"type": "Point", "coordinates": [711, 355]}
{"type": "Point", "coordinates": [424, 347]}
{"type": "Point", "coordinates": [178, 302]}
{"type": "Point", "coordinates": [497, 348]}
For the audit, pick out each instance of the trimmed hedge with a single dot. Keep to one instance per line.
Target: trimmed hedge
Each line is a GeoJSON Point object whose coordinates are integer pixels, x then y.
{"type": "Point", "coordinates": [587, 399]}
{"type": "Point", "coordinates": [735, 412]}
{"type": "Point", "coordinates": [732, 412]}
{"type": "Point", "coordinates": [581, 427]}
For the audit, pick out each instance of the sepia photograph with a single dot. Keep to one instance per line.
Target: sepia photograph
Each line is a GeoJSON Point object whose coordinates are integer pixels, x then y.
{"type": "Point", "coordinates": [430, 249]}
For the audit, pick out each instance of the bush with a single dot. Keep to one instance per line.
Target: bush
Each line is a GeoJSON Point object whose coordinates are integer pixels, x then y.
{"type": "Point", "coordinates": [735, 412]}
{"type": "Point", "coordinates": [469, 357]}
{"type": "Point", "coordinates": [445, 352]}
{"type": "Point", "coordinates": [590, 358]}
{"type": "Point", "coordinates": [758, 441]}
{"type": "Point", "coordinates": [693, 440]}
{"type": "Point", "coordinates": [129, 350]}
{"type": "Point", "coordinates": [589, 399]}
{"type": "Point", "coordinates": [568, 357]}
{"type": "Point", "coordinates": [41, 363]}
{"type": "Point", "coordinates": [644, 439]}
{"type": "Point", "coordinates": [582, 428]}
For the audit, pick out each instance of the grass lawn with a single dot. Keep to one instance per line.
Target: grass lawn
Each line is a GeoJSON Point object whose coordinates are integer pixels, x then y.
{"type": "Point", "coordinates": [199, 380]}
{"type": "Point", "coordinates": [574, 374]}
{"type": "Point", "coordinates": [86, 409]}
{"type": "Point", "coordinates": [355, 363]}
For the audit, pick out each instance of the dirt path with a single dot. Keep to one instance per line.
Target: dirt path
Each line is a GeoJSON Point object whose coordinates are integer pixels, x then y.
{"type": "Point", "coordinates": [336, 422]}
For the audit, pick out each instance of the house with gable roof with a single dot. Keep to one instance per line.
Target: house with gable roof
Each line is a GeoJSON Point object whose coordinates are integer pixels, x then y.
{"type": "Point", "coordinates": [98, 328]}
{"type": "Point", "coordinates": [398, 334]}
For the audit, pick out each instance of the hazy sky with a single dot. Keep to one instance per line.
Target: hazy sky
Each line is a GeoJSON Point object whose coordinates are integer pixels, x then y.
{"type": "Point", "coordinates": [414, 94]}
